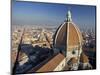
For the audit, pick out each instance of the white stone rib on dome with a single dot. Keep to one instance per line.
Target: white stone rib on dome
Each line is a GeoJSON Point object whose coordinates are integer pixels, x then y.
{"type": "Point", "coordinates": [58, 32]}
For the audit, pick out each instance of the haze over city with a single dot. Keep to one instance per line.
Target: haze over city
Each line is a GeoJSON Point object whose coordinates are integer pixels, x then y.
{"type": "Point", "coordinates": [32, 13]}
{"type": "Point", "coordinates": [48, 37]}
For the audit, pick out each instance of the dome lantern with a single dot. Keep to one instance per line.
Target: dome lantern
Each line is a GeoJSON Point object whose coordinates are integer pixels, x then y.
{"type": "Point", "coordinates": [69, 16]}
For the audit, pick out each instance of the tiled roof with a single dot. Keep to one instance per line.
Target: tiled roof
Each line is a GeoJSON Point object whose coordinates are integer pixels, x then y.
{"type": "Point", "coordinates": [84, 58]}
{"type": "Point", "coordinates": [52, 64]}
{"type": "Point", "coordinates": [73, 60]}
{"type": "Point", "coordinates": [73, 38]}
{"type": "Point", "coordinates": [73, 35]}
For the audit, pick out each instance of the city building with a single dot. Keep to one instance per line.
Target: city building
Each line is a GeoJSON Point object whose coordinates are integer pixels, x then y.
{"type": "Point", "coordinates": [64, 54]}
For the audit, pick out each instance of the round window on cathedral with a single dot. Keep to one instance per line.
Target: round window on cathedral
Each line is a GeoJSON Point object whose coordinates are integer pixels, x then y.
{"type": "Point", "coordinates": [73, 52]}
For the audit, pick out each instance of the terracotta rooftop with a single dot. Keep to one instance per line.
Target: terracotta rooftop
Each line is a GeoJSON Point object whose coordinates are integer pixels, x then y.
{"type": "Point", "coordinates": [73, 60]}
{"type": "Point", "coordinates": [52, 64]}
{"type": "Point", "coordinates": [74, 35]}
{"type": "Point", "coordinates": [84, 58]}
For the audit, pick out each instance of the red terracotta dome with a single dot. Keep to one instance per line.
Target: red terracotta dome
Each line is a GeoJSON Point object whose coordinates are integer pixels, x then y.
{"type": "Point", "coordinates": [68, 35]}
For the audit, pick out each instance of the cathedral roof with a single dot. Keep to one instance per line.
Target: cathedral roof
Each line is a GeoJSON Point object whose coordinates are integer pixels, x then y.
{"type": "Point", "coordinates": [84, 58]}
{"type": "Point", "coordinates": [73, 60]}
{"type": "Point", "coordinates": [52, 64]}
{"type": "Point", "coordinates": [67, 34]}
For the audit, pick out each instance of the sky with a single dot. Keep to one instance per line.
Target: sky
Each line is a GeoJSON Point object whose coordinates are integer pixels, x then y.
{"type": "Point", "coordinates": [35, 13]}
